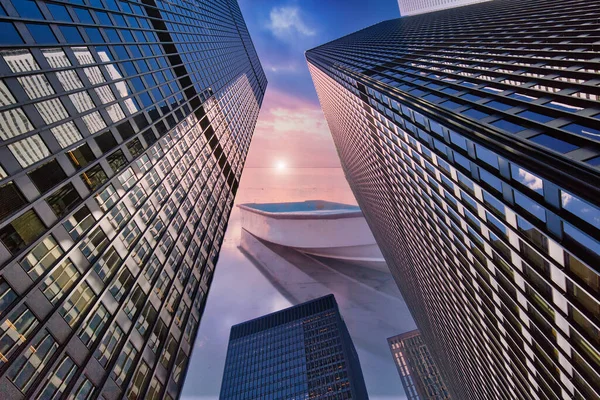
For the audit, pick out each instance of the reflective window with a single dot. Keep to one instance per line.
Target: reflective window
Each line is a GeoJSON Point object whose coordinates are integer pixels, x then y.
{"type": "Point", "coordinates": [92, 328]}
{"type": "Point", "coordinates": [41, 257]}
{"type": "Point", "coordinates": [60, 281]}
{"type": "Point", "coordinates": [58, 380]}
{"type": "Point", "coordinates": [22, 231]}
{"type": "Point", "coordinates": [32, 362]}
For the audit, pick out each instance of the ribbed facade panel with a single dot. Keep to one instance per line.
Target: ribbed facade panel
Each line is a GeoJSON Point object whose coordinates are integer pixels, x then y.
{"type": "Point", "coordinates": [470, 139]}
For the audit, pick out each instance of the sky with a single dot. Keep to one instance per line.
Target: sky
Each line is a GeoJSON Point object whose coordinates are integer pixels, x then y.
{"type": "Point", "coordinates": [291, 129]}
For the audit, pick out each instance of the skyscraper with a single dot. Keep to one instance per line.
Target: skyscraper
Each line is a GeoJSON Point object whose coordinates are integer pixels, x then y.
{"type": "Point", "coordinates": [302, 352]}
{"type": "Point", "coordinates": [415, 7]}
{"type": "Point", "coordinates": [470, 139]}
{"type": "Point", "coordinates": [124, 127]}
{"type": "Point", "coordinates": [419, 374]}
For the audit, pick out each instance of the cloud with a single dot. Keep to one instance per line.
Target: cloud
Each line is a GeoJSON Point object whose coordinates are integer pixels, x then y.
{"type": "Point", "coordinates": [292, 130]}
{"type": "Point", "coordinates": [287, 22]}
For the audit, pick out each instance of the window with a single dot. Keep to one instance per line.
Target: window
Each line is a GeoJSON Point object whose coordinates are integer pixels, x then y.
{"type": "Point", "coordinates": [527, 179]}
{"type": "Point", "coordinates": [190, 329]}
{"type": "Point", "coordinates": [94, 325]}
{"type": "Point", "coordinates": [31, 363]}
{"type": "Point", "coordinates": [79, 222]}
{"type": "Point", "coordinates": [47, 176]}
{"type": "Point", "coordinates": [158, 336]}
{"type": "Point", "coordinates": [130, 234]}
{"type": "Point", "coordinates": [151, 268]}
{"type": "Point", "coordinates": [154, 390]}
{"type": "Point", "coordinates": [77, 303]}
{"type": "Point", "coordinates": [180, 364]}
{"type": "Point", "coordinates": [553, 143]}
{"type": "Point", "coordinates": [141, 252]}
{"type": "Point", "coordinates": [81, 156]}
{"type": "Point", "coordinates": [580, 208]}
{"type": "Point", "coordinates": [118, 216]}
{"type": "Point", "coordinates": [93, 244]}
{"type": "Point", "coordinates": [124, 364]}
{"type": "Point", "coordinates": [106, 141]}
{"type": "Point", "coordinates": [41, 257]}
{"type": "Point", "coordinates": [94, 177]}
{"type": "Point", "coordinates": [121, 285]}
{"type": "Point", "coordinates": [162, 283]}
{"type": "Point", "coordinates": [168, 352]}
{"type": "Point", "coordinates": [30, 150]}
{"type": "Point", "coordinates": [85, 390]}
{"type": "Point", "coordinates": [139, 381]}
{"type": "Point", "coordinates": [7, 295]}
{"type": "Point", "coordinates": [60, 281]}
{"type": "Point", "coordinates": [107, 264]}
{"type": "Point", "coordinates": [117, 160]}
{"type": "Point", "coordinates": [107, 198]}
{"type": "Point", "coordinates": [508, 126]}
{"type": "Point", "coordinates": [146, 319]}
{"type": "Point", "coordinates": [105, 351]}
{"type": "Point", "coordinates": [11, 199]}
{"type": "Point", "coordinates": [134, 302]}
{"type": "Point", "coordinates": [59, 379]}
{"type": "Point", "coordinates": [64, 200]}
{"type": "Point", "coordinates": [15, 330]}
{"type": "Point", "coordinates": [181, 314]}
{"type": "Point", "coordinates": [127, 179]}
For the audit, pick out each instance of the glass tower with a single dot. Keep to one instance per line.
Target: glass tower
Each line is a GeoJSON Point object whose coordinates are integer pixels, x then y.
{"type": "Point", "coordinates": [471, 140]}
{"type": "Point", "coordinates": [124, 126]}
{"type": "Point", "coordinates": [419, 375]}
{"type": "Point", "coordinates": [302, 352]}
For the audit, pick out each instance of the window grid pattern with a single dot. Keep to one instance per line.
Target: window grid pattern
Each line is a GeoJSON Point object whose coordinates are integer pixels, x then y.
{"type": "Point", "coordinates": [495, 252]}
{"type": "Point", "coordinates": [124, 128]}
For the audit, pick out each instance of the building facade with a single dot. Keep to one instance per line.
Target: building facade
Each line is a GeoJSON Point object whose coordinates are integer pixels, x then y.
{"type": "Point", "coordinates": [124, 127]}
{"type": "Point", "coordinates": [420, 376]}
{"type": "Point", "coordinates": [470, 139]}
{"type": "Point", "coordinates": [302, 352]}
{"type": "Point", "coordinates": [415, 7]}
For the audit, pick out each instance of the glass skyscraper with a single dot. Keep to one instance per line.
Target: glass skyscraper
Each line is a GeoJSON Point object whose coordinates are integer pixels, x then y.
{"type": "Point", "coordinates": [124, 126]}
{"type": "Point", "coordinates": [471, 139]}
{"type": "Point", "coordinates": [420, 376]}
{"type": "Point", "coordinates": [302, 352]}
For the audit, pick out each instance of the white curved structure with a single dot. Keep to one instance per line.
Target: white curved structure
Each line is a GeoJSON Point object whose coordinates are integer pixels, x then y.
{"type": "Point", "coordinates": [316, 227]}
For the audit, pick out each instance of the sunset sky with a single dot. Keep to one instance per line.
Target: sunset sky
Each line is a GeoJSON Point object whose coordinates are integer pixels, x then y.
{"type": "Point", "coordinates": [291, 129]}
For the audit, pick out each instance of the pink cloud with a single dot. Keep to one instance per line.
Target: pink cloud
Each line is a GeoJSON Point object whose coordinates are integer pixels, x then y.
{"type": "Point", "coordinates": [291, 130]}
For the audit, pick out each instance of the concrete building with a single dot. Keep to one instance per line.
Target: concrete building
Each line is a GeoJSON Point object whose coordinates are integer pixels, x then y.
{"type": "Point", "coordinates": [301, 352]}
{"type": "Point", "coordinates": [419, 374]}
{"type": "Point", "coordinates": [470, 139]}
{"type": "Point", "coordinates": [118, 172]}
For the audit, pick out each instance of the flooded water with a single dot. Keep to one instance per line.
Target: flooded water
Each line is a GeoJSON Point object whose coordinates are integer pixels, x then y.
{"type": "Point", "coordinates": [258, 279]}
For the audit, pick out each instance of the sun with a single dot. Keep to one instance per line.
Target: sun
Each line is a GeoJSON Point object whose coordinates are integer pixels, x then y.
{"type": "Point", "coordinates": [280, 165]}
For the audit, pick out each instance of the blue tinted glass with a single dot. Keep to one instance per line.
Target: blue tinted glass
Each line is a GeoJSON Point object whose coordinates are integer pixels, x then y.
{"type": "Point", "coordinates": [553, 143]}
{"type": "Point", "coordinates": [582, 238]}
{"type": "Point", "coordinates": [2, 12]}
{"type": "Point", "coordinates": [586, 131]}
{"type": "Point", "coordinates": [475, 114]}
{"type": "Point", "coordinates": [537, 117]}
{"type": "Point", "coordinates": [530, 206]}
{"type": "Point", "coordinates": [71, 34]}
{"type": "Point", "coordinates": [458, 140]}
{"type": "Point", "coordinates": [112, 35]}
{"type": "Point", "coordinates": [522, 97]}
{"type": "Point", "coordinates": [451, 105]}
{"type": "Point", "coordinates": [27, 9]}
{"type": "Point", "coordinates": [94, 35]}
{"type": "Point", "coordinates": [490, 179]}
{"type": "Point", "coordinates": [471, 97]}
{"type": "Point", "coordinates": [41, 33]}
{"type": "Point", "coordinates": [9, 34]}
{"type": "Point", "coordinates": [59, 12]}
{"type": "Point", "coordinates": [84, 16]}
{"type": "Point", "coordinates": [487, 156]}
{"type": "Point", "coordinates": [103, 17]}
{"type": "Point", "coordinates": [594, 161]}
{"type": "Point", "coordinates": [450, 91]}
{"type": "Point", "coordinates": [582, 209]}
{"type": "Point", "coordinates": [432, 98]}
{"type": "Point", "coordinates": [499, 105]}
{"type": "Point", "coordinates": [508, 126]}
